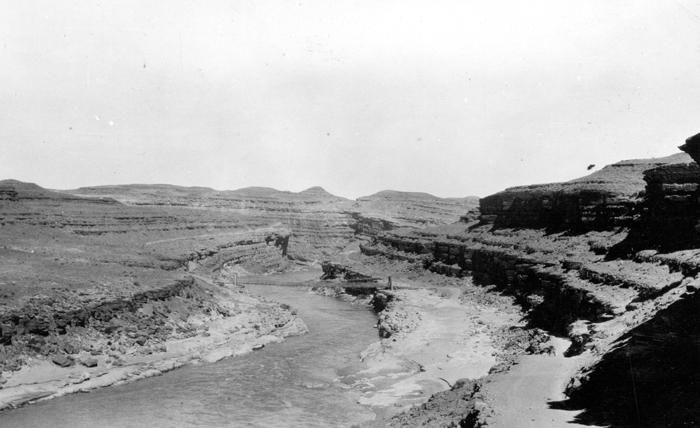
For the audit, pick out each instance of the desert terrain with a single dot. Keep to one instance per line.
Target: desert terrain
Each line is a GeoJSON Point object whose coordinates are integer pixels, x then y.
{"type": "Point", "coordinates": [543, 305]}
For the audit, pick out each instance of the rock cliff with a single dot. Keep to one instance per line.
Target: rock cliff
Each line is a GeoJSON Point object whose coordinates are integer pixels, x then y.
{"type": "Point", "coordinates": [608, 261]}
{"type": "Point", "coordinates": [320, 223]}
{"type": "Point", "coordinates": [77, 272]}
{"type": "Point", "coordinates": [669, 218]}
{"type": "Point", "coordinates": [649, 377]}
{"type": "Point", "coordinates": [605, 199]}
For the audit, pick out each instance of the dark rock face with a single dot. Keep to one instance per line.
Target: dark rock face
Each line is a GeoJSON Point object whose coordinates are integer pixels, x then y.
{"type": "Point", "coordinates": [544, 287]}
{"type": "Point", "coordinates": [553, 298]}
{"type": "Point", "coordinates": [89, 362]}
{"type": "Point", "coordinates": [580, 211]}
{"type": "Point", "coordinates": [44, 317]}
{"type": "Point", "coordinates": [692, 147]}
{"type": "Point", "coordinates": [62, 360]}
{"type": "Point", "coordinates": [651, 378]}
{"type": "Point", "coordinates": [606, 199]}
{"type": "Point", "coordinates": [457, 407]}
{"type": "Point", "coordinates": [368, 225]}
{"type": "Point", "coordinates": [672, 213]}
{"type": "Point", "coordinates": [669, 218]}
{"type": "Point", "coordinates": [335, 270]}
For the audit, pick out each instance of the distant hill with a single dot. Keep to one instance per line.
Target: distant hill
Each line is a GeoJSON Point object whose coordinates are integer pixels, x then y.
{"type": "Point", "coordinates": [414, 208]}
{"type": "Point", "coordinates": [321, 193]}
{"type": "Point", "coordinates": [15, 190]}
{"type": "Point", "coordinates": [167, 194]}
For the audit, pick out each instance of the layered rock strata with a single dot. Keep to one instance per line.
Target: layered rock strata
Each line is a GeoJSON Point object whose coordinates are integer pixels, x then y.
{"type": "Point", "coordinates": [609, 262]}
{"type": "Point", "coordinates": [605, 199]}
{"type": "Point", "coordinates": [321, 224]}
{"type": "Point", "coordinates": [90, 280]}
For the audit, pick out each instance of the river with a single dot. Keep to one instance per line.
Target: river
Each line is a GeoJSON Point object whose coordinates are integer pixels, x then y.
{"type": "Point", "coordinates": [293, 383]}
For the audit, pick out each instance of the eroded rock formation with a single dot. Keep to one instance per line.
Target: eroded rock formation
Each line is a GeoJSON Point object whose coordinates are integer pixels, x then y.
{"type": "Point", "coordinates": [320, 223]}
{"type": "Point", "coordinates": [608, 261]}
{"type": "Point", "coordinates": [605, 199]}
{"type": "Point", "coordinates": [650, 377]}
{"type": "Point", "coordinates": [336, 270]}
{"type": "Point", "coordinates": [89, 274]}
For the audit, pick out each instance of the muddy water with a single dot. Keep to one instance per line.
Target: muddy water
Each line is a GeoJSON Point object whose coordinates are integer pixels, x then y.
{"type": "Point", "coordinates": [292, 383]}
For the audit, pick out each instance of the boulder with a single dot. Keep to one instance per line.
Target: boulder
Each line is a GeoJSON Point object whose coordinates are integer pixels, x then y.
{"type": "Point", "coordinates": [89, 362]}
{"type": "Point", "coordinates": [62, 360]}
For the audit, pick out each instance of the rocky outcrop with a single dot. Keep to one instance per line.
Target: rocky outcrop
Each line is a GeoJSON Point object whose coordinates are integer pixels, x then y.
{"type": "Point", "coordinates": [603, 200]}
{"type": "Point", "coordinates": [367, 225]}
{"type": "Point", "coordinates": [650, 377]}
{"type": "Point", "coordinates": [67, 328]}
{"type": "Point", "coordinates": [671, 218]}
{"type": "Point", "coordinates": [602, 260]}
{"type": "Point", "coordinates": [692, 147]}
{"type": "Point", "coordinates": [44, 316]}
{"type": "Point", "coordinates": [335, 270]}
{"type": "Point", "coordinates": [457, 407]}
{"type": "Point", "coordinates": [536, 207]}
{"type": "Point", "coordinates": [81, 271]}
{"type": "Point", "coordinates": [669, 215]}
{"type": "Point", "coordinates": [555, 290]}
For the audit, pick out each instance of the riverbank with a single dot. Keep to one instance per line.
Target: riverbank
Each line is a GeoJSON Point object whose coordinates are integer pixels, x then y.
{"type": "Point", "coordinates": [290, 383]}
{"type": "Point", "coordinates": [240, 324]}
{"type": "Point", "coordinates": [433, 338]}
{"type": "Point", "coordinates": [462, 355]}
{"type": "Point", "coordinates": [451, 353]}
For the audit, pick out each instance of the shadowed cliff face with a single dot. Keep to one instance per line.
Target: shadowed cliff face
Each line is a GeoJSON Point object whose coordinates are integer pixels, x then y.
{"type": "Point", "coordinates": [650, 378]}
{"type": "Point", "coordinates": [670, 212]}
{"type": "Point", "coordinates": [669, 215]}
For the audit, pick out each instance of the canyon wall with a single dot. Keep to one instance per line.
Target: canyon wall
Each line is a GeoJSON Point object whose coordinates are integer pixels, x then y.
{"type": "Point", "coordinates": [650, 376]}
{"type": "Point", "coordinates": [609, 261]}
{"type": "Point", "coordinates": [321, 224]}
{"type": "Point", "coordinates": [605, 199]}
{"type": "Point", "coordinates": [92, 275]}
{"type": "Point", "coordinates": [104, 269]}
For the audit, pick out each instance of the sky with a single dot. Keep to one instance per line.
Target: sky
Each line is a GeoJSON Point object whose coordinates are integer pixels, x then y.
{"type": "Point", "coordinates": [453, 98]}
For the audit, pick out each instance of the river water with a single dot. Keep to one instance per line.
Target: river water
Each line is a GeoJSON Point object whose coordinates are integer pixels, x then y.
{"type": "Point", "coordinates": [293, 383]}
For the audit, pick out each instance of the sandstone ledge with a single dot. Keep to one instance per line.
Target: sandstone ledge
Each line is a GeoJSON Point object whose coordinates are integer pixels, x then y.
{"type": "Point", "coordinates": [245, 324]}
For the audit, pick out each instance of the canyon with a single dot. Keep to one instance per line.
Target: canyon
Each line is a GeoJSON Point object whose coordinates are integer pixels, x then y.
{"type": "Point", "coordinates": [542, 305]}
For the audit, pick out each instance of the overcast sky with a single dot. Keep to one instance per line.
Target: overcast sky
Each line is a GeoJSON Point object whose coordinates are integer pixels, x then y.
{"type": "Point", "coordinates": [449, 97]}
